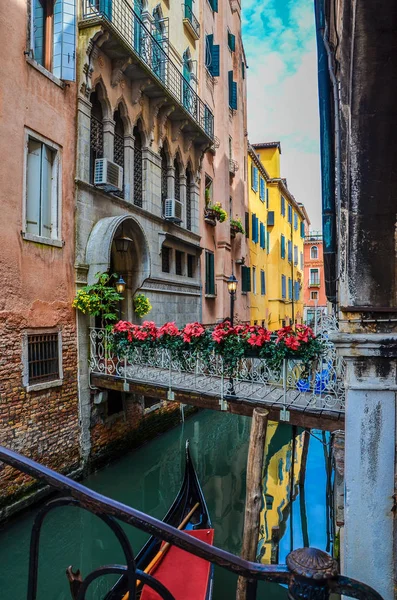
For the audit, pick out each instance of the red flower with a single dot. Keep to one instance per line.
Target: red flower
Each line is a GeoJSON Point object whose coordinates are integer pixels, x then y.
{"type": "Point", "coordinates": [292, 343]}
{"type": "Point", "coordinates": [192, 330]}
{"type": "Point", "coordinates": [121, 326]}
{"type": "Point", "coordinates": [168, 329]}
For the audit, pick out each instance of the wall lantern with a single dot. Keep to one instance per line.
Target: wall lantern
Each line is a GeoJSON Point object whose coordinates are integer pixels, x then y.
{"type": "Point", "coordinates": [120, 285]}
{"type": "Point", "coordinates": [123, 243]}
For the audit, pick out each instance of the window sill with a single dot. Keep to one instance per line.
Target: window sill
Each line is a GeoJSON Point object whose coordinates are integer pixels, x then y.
{"type": "Point", "coordinates": [36, 387]}
{"type": "Point", "coordinates": [31, 237]}
{"type": "Point", "coordinates": [210, 296]}
{"type": "Point", "coordinates": [44, 72]}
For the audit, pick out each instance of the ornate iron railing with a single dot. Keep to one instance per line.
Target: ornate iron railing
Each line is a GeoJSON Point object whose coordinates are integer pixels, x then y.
{"type": "Point", "coordinates": [194, 23]}
{"type": "Point", "coordinates": [309, 573]}
{"type": "Point", "coordinates": [153, 52]}
{"type": "Point", "coordinates": [322, 389]}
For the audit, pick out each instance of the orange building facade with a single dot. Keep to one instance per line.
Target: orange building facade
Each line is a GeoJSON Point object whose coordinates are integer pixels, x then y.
{"type": "Point", "coordinates": [315, 301]}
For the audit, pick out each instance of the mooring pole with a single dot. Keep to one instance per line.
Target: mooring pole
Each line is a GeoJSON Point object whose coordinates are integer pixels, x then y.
{"type": "Point", "coordinates": [246, 589]}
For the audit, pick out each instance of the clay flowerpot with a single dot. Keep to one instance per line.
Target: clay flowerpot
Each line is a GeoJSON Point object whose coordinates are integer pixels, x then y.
{"type": "Point", "coordinates": [234, 230]}
{"type": "Point", "coordinates": [211, 216]}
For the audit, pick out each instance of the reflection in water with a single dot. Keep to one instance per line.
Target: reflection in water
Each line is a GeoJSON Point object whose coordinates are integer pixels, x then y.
{"type": "Point", "coordinates": [148, 479]}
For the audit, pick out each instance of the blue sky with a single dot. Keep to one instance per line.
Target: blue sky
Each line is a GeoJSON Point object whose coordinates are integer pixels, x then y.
{"type": "Point", "coordinates": [280, 45]}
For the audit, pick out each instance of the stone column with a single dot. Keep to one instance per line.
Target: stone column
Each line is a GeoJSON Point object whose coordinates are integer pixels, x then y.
{"type": "Point", "coordinates": [83, 138]}
{"type": "Point", "coordinates": [182, 183]}
{"type": "Point", "coordinates": [197, 211]}
{"type": "Point", "coordinates": [129, 168]}
{"type": "Point", "coordinates": [171, 182]}
{"type": "Point", "coordinates": [108, 138]}
{"type": "Point", "coordinates": [371, 385]}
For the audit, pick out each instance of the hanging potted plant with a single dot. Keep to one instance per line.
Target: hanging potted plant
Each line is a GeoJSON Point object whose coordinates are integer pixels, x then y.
{"type": "Point", "coordinates": [215, 212]}
{"type": "Point", "coordinates": [142, 305]}
{"type": "Point", "coordinates": [236, 226]}
{"type": "Point", "coordinates": [99, 299]}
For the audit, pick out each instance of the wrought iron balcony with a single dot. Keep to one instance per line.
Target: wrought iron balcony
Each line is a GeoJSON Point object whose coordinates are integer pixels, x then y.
{"type": "Point", "coordinates": [314, 283]}
{"type": "Point", "coordinates": [190, 21]}
{"type": "Point", "coordinates": [148, 51]}
{"type": "Point", "coordinates": [309, 573]}
{"type": "Point", "coordinates": [289, 389]}
{"type": "Point", "coordinates": [233, 166]}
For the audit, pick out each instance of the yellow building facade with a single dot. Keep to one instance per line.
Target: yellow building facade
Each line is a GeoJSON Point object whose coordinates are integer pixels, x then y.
{"type": "Point", "coordinates": [282, 259]}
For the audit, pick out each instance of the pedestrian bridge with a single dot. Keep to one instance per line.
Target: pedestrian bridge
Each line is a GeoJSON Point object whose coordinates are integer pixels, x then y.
{"type": "Point", "coordinates": [291, 394]}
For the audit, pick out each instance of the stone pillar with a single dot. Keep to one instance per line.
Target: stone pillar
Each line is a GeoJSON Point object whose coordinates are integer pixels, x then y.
{"type": "Point", "coordinates": [108, 138]}
{"type": "Point", "coordinates": [83, 138]}
{"type": "Point", "coordinates": [182, 183]}
{"type": "Point", "coordinates": [128, 168]}
{"type": "Point", "coordinates": [197, 211]}
{"type": "Point", "coordinates": [371, 385]}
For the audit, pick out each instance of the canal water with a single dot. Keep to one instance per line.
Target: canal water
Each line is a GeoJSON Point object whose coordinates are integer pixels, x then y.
{"type": "Point", "coordinates": [148, 479]}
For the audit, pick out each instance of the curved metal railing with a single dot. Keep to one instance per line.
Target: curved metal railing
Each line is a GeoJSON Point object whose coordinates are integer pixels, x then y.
{"type": "Point", "coordinates": [312, 582]}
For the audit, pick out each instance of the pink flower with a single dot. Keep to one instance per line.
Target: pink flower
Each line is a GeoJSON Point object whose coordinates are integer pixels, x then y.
{"type": "Point", "coordinates": [168, 329]}
{"type": "Point", "coordinates": [121, 326]}
{"type": "Point", "coordinates": [192, 330]}
{"type": "Point", "coordinates": [292, 343]}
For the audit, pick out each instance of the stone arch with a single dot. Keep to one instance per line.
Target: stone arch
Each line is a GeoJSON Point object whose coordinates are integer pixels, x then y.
{"type": "Point", "coordinates": [100, 89]}
{"type": "Point", "coordinates": [121, 106]}
{"type": "Point", "coordinates": [140, 125]}
{"type": "Point", "coordinates": [166, 150]}
{"type": "Point", "coordinates": [101, 245]}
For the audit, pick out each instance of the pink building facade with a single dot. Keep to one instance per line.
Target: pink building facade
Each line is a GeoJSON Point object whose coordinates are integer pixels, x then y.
{"type": "Point", "coordinates": [224, 171]}
{"type": "Point", "coordinates": [38, 359]}
{"type": "Point", "coordinates": [315, 301]}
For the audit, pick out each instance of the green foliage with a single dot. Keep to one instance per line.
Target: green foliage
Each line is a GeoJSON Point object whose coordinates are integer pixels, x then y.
{"type": "Point", "coordinates": [99, 299]}
{"type": "Point", "coordinates": [142, 305]}
{"type": "Point", "coordinates": [220, 213]}
{"type": "Point", "coordinates": [237, 224]}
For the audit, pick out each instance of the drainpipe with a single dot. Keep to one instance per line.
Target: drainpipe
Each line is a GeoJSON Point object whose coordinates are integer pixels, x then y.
{"type": "Point", "coordinates": [329, 149]}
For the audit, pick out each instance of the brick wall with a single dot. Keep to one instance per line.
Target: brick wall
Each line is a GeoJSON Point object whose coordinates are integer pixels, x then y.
{"type": "Point", "coordinates": [42, 425]}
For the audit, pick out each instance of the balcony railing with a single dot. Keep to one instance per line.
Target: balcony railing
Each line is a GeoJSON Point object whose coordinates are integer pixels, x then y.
{"type": "Point", "coordinates": [314, 283]}
{"type": "Point", "coordinates": [290, 388]}
{"type": "Point", "coordinates": [233, 166]}
{"type": "Point", "coordinates": [309, 573]}
{"type": "Point", "coordinates": [190, 21]}
{"type": "Point", "coordinates": [150, 49]}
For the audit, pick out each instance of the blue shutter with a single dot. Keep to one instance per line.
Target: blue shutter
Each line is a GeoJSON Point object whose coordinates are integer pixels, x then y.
{"type": "Point", "coordinates": [302, 229]}
{"type": "Point", "coordinates": [209, 43]}
{"type": "Point", "coordinates": [255, 185]}
{"type": "Point", "coordinates": [289, 288]}
{"type": "Point", "coordinates": [230, 79]}
{"type": "Point", "coordinates": [289, 251]}
{"type": "Point", "coordinates": [282, 246]}
{"type": "Point", "coordinates": [296, 255]}
{"type": "Point", "coordinates": [262, 235]}
{"type": "Point", "coordinates": [231, 41]}
{"type": "Point", "coordinates": [263, 283]}
{"type": "Point", "coordinates": [295, 221]}
{"type": "Point", "coordinates": [268, 241]}
{"type": "Point", "coordinates": [283, 206]}
{"type": "Point", "coordinates": [267, 197]}
{"type": "Point", "coordinates": [214, 5]}
{"type": "Point", "coordinates": [254, 228]}
{"type": "Point", "coordinates": [64, 44]}
{"type": "Point", "coordinates": [37, 31]}
{"type": "Point", "coordinates": [234, 95]}
{"type": "Point", "coordinates": [289, 213]}
{"type": "Point", "coordinates": [262, 189]}
{"type": "Point", "coordinates": [215, 60]}
{"type": "Point", "coordinates": [283, 286]}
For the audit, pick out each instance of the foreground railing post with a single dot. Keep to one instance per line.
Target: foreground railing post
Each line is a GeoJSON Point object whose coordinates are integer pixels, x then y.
{"type": "Point", "coordinates": [246, 589]}
{"type": "Point", "coordinates": [284, 413]}
{"type": "Point", "coordinates": [311, 570]}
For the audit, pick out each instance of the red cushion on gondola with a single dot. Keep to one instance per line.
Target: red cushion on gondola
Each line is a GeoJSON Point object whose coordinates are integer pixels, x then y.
{"type": "Point", "coordinates": [185, 575]}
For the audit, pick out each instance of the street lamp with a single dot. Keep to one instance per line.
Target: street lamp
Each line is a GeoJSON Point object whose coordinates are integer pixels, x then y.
{"type": "Point", "coordinates": [232, 288]}
{"type": "Point", "coordinates": [120, 287]}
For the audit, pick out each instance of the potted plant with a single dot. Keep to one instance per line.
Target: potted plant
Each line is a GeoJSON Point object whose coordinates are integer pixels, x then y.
{"type": "Point", "coordinates": [236, 226]}
{"type": "Point", "coordinates": [215, 212]}
{"type": "Point", "coordinates": [142, 305]}
{"type": "Point", "coordinates": [99, 299]}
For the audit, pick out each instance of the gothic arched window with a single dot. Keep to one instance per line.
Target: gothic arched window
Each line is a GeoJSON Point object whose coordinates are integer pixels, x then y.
{"type": "Point", "coordinates": [96, 133]}
{"type": "Point", "coordinates": [137, 167]}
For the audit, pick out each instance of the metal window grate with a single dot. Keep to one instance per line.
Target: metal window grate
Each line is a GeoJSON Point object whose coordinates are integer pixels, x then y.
{"type": "Point", "coordinates": [188, 201]}
{"type": "Point", "coordinates": [177, 183]}
{"type": "Point", "coordinates": [137, 176]}
{"type": "Point", "coordinates": [178, 262]}
{"type": "Point", "coordinates": [164, 179]}
{"type": "Point", "coordinates": [43, 357]}
{"type": "Point", "coordinates": [165, 259]}
{"type": "Point", "coordinates": [118, 154]}
{"type": "Point", "coordinates": [190, 265]}
{"type": "Point", "coordinates": [96, 137]}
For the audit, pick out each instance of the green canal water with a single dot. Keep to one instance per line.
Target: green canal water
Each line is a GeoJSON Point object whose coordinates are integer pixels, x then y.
{"type": "Point", "coordinates": [148, 479]}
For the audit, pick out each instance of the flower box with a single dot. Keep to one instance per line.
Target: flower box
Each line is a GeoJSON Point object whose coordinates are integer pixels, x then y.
{"type": "Point", "coordinates": [210, 217]}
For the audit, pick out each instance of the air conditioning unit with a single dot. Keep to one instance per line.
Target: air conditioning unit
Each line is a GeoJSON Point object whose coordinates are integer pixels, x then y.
{"type": "Point", "coordinates": [173, 210]}
{"type": "Point", "coordinates": [108, 175]}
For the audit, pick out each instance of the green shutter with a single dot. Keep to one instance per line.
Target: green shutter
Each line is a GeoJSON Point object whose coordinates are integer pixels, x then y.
{"type": "Point", "coordinates": [243, 69]}
{"type": "Point", "coordinates": [282, 246]}
{"type": "Point", "coordinates": [209, 273]}
{"type": "Point", "coordinates": [214, 5]}
{"type": "Point", "coordinates": [247, 225]}
{"type": "Point", "coordinates": [246, 279]}
{"type": "Point", "coordinates": [209, 43]}
{"type": "Point", "coordinates": [215, 60]}
{"type": "Point", "coordinates": [231, 41]}
{"type": "Point", "coordinates": [232, 91]}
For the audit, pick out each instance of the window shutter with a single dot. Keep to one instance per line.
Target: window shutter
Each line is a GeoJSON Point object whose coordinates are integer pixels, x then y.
{"type": "Point", "coordinates": [283, 286]}
{"type": "Point", "coordinates": [289, 288]}
{"type": "Point", "coordinates": [302, 229]}
{"type": "Point", "coordinates": [282, 246]}
{"type": "Point", "coordinates": [46, 195]}
{"type": "Point", "coordinates": [33, 187]}
{"type": "Point", "coordinates": [246, 279]}
{"type": "Point", "coordinates": [231, 41]}
{"type": "Point", "coordinates": [215, 60]}
{"type": "Point", "coordinates": [209, 273]}
{"type": "Point", "coordinates": [295, 255]}
{"type": "Point", "coordinates": [268, 241]}
{"type": "Point", "coordinates": [256, 174]}
{"type": "Point", "coordinates": [253, 219]}
{"type": "Point", "coordinates": [247, 225]}
{"type": "Point", "coordinates": [230, 78]}
{"type": "Point", "coordinates": [295, 221]}
{"type": "Point", "coordinates": [267, 197]}
{"type": "Point", "coordinates": [263, 283]}
{"type": "Point", "coordinates": [262, 235]}
{"type": "Point", "coordinates": [64, 50]}
{"type": "Point", "coordinates": [262, 189]}
{"type": "Point", "coordinates": [289, 251]}
{"type": "Point", "coordinates": [209, 43]}
{"type": "Point", "coordinates": [301, 260]}
{"type": "Point", "coordinates": [234, 95]}
{"type": "Point", "coordinates": [289, 213]}
{"type": "Point", "coordinates": [283, 206]}
{"type": "Point", "coordinates": [243, 69]}
{"type": "Point", "coordinates": [214, 5]}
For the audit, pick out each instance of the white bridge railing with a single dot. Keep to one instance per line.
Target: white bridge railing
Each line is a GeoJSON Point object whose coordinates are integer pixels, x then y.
{"type": "Point", "coordinates": [252, 379]}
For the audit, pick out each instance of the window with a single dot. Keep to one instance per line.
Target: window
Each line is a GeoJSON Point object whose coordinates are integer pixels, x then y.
{"type": "Point", "coordinates": [189, 181]}
{"type": "Point", "coordinates": [43, 182]}
{"type": "Point", "coordinates": [263, 283]}
{"type": "Point", "coordinates": [209, 273]}
{"type": "Point", "coordinates": [289, 288]}
{"type": "Point", "coordinates": [190, 265]}
{"type": "Point", "coordinates": [270, 218]}
{"type": "Point", "coordinates": [255, 233]}
{"type": "Point", "coordinates": [262, 189]}
{"type": "Point", "coordinates": [282, 246]}
{"type": "Point", "coordinates": [177, 183]}
{"type": "Point", "coordinates": [262, 239]}
{"type": "Point", "coordinates": [245, 279]}
{"type": "Point", "coordinates": [254, 280]}
{"type": "Point", "coordinates": [254, 178]}
{"type": "Point", "coordinates": [283, 286]}
{"type": "Point", "coordinates": [301, 260]}
{"type": "Point", "coordinates": [208, 190]}
{"type": "Point", "coordinates": [212, 55]}
{"type": "Point", "coordinates": [314, 277]}
{"type": "Point", "coordinates": [53, 44]}
{"type": "Point", "coordinates": [247, 225]}
{"type": "Point", "coordinates": [231, 41]}
{"type": "Point", "coordinates": [42, 359]}
{"type": "Point", "coordinates": [296, 255]}
{"type": "Point", "coordinates": [165, 259]}
{"type": "Point", "coordinates": [289, 251]}
{"type": "Point", "coordinates": [313, 295]}
{"type": "Point", "coordinates": [138, 171]}
{"type": "Point", "coordinates": [178, 262]}
{"type": "Point", "coordinates": [302, 229]}
{"type": "Point", "coordinates": [283, 206]}
{"type": "Point", "coordinates": [297, 290]}
{"type": "Point", "coordinates": [314, 252]}
{"type": "Point", "coordinates": [118, 147]}
{"type": "Point", "coordinates": [214, 5]}
{"type": "Point", "coordinates": [289, 213]}
{"type": "Point", "coordinates": [295, 221]}
{"type": "Point", "coordinates": [96, 133]}
{"type": "Point", "coordinates": [232, 92]}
